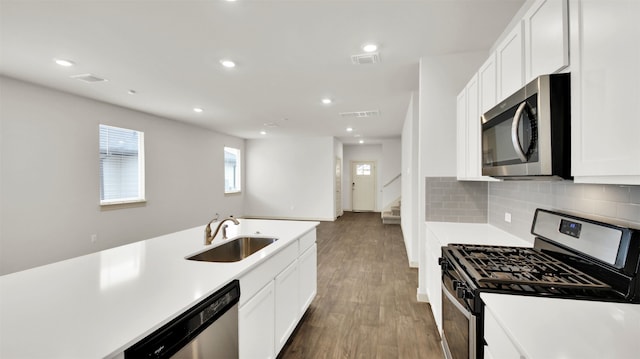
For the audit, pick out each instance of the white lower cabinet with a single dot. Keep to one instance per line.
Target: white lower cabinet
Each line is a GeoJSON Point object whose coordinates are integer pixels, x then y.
{"type": "Point", "coordinates": [499, 345]}
{"type": "Point", "coordinates": [274, 296]}
{"type": "Point", "coordinates": [256, 324]}
{"type": "Point", "coordinates": [308, 264]}
{"type": "Point", "coordinates": [287, 288]}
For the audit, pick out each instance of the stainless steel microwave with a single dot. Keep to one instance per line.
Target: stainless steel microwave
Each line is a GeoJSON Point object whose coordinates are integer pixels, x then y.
{"type": "Point", "coordinates": [528, 135]}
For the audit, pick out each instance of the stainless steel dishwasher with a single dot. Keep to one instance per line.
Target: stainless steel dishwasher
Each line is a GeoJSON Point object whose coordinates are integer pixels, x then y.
{"type": "Point", "coordinates": [207, 330]}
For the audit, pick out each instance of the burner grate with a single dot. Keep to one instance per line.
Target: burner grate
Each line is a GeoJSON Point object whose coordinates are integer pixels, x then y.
{"type": "Point", "coordinates": [525, 268]}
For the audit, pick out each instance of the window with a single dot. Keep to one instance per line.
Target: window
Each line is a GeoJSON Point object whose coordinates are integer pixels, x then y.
{"type": "Point", "coordinates": [363, 170]}
{"type": "Point", "coordinates": [121, 165]}
{"type": "Point", "coordinates": [232, 167]}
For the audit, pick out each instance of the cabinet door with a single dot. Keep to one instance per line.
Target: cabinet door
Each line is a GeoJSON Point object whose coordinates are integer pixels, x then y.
{"type": "Point", "coordinates": [308, 277]}
{"type": "Point", "coordinates": [509, 57]}
{"type": "Point", "coordinates": [604, 83]}
{"type": "Point", "coordinates": [256, 322]}
{"type": "Point", "coordinates": [487, 83]}
{"type": "Point", "coordinates": [461, 135]}
{"type": "Point", "coordinates": [287, 294]}
{"type": "Point", "coordinates": [473, 130]}
{"type": "Point", "coordinates": [546, 29]}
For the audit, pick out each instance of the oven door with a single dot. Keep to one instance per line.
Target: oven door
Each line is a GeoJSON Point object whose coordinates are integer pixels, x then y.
{"type": "Point", "coordinates": [459, 324]}
{"type": "Point", "coordinates": [510, 140]}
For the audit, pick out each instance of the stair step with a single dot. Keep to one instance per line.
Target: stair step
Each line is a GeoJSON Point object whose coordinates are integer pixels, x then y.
{"type": "Point", "coordinates": [389, 217]}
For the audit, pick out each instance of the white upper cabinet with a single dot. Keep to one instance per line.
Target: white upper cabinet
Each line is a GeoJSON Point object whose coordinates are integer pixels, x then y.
{"type": "Point", "coordinates": [461, 135]}
{"type": "Point", "coordinates": [546, 38]}
{"type": "Point", "coordinates": [487, 82]}
{"type": "Point", "coordinates": [605, 85]}
{"type": "Point", "coordinates": [469, 165]}
{"type": "Point", "coordinates": [510, 63]}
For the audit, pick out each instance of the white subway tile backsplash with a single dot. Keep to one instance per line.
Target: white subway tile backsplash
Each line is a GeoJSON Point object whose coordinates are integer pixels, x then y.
{"type": "Point", "coordinates": [450, 200]}
{"type": "Point", "coordinates": [617, 204]}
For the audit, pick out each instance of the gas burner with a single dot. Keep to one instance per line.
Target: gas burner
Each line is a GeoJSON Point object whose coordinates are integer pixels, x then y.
{"type": "Point", "coordinates": [496, 265]}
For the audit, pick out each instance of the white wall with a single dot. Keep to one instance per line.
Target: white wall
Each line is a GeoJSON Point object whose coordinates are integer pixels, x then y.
{"type": "Point", "coordinates": [409, 205]}
{"type": "Point", "coordinates": [50, 177]}
{"type": "Point", "coordinates": [290, 178]}
{"type": "Point", "coordinates": [392, 167]}
{"type": "Point", "coordinates": [441, 79]}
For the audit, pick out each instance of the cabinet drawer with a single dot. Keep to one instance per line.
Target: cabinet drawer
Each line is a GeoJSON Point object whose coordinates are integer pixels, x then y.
{"type": "Point", "coordinates": [258, 277]}
{"type": "Point", "coordinates": [307, 240]}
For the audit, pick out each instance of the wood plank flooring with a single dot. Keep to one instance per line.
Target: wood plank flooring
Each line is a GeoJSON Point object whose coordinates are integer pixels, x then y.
{"type": "Point", "coordinates": [366, 304]}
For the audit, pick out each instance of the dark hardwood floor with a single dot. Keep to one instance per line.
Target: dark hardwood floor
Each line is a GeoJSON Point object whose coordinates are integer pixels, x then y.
{"type": "Point", "coordinates": [366, 304]}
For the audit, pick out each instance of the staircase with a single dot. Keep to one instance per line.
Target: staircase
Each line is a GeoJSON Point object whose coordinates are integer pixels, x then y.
{"type": "Point", "coordinates": [392, 214]}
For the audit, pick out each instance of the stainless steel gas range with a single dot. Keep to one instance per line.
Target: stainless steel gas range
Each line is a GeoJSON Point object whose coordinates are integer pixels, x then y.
{"type": "Point", "coordinates": [572, 257]}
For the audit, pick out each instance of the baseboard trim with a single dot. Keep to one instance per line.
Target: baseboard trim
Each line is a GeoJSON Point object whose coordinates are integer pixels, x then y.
{"type": "Point", "coordinates": [422, 297]}
{"type": "Point", "coordinates": [413, 264]}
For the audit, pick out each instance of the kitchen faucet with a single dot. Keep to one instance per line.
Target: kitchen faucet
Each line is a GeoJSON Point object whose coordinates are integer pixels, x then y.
{"type": "Point", "coordinates": [208, 238]}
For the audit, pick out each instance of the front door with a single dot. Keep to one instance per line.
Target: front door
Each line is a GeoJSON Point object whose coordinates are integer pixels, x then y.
{"type": "Point", "coordinates": [363, 186]}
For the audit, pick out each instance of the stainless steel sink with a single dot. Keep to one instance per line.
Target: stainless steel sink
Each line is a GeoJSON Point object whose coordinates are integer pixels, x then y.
{"type": "Point", "coordinates": [234, 250]}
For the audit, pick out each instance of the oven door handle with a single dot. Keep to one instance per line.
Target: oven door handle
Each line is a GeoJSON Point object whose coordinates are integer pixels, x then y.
{"type": "Point", "coordinates": [454, 300]}
{"type": "Point", "coordinates": [515, 126]}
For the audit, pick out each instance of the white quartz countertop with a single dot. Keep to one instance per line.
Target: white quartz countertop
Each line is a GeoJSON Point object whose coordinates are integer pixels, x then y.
{"type": "Point", "coordinates": [548, 328]}
{"type": "Point", "coordinates": [99, 304]}
{"type": "Point", "coordinates": [474, 233]}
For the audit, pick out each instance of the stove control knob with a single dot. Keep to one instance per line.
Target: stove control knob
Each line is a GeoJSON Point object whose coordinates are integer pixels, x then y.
{"type": "Point", "coordinates": [444, 265]}
{"type": "Point", "coordinates": [462, 292]}
{"type": "Point", "coordinates": [455, 284]}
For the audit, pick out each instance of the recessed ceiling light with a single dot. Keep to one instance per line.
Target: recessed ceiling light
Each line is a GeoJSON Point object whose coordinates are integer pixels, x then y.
{"type": "Point", "coordinates": [197, 109]}
{"type": "Point", "coordinates": [63, 62]}
{"type": "Point", "coordinates": [262, 132]}
{"type": "Point", "coordinates": [228, 63]}
{"type": "Point", "coordinates": [349, 129]}
{"type": "Point", "coordinates": [132, 92]}
{"type": "Point", "coordinates": [326, 101]}
{"type": "Point", "coordinates": [361, 141]}
{"type": "Point", "coordinates": [369, 47]}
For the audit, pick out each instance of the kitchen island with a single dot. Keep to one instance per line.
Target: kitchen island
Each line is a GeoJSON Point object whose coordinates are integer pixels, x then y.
{"type": "Point", "coordinates": [97, 305]}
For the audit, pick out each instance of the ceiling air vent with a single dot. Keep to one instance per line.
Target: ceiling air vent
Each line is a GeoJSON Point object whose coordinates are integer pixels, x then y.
{"type": "Point", "coordinates": [363, 59]}
{"type": "Point", "coordinates": [360, 114]}
{"type": "Point", "coordinates": [90, 78]}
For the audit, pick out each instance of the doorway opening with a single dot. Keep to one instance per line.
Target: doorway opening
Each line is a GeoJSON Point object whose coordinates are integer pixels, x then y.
{"type": "Point", "coordinates": [363, 186]}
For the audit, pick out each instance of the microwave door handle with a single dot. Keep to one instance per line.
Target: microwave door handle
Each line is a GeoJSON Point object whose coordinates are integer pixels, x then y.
{"type": "Point", "coordinates": [515, 126]}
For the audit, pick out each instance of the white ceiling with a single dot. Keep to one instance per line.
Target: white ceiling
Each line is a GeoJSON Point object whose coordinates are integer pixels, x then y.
{"type": "Point", "coordinates": [289, 54]}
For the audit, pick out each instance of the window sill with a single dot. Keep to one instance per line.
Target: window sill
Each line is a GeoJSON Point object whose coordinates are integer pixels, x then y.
{"type": "Point", "coordinates": [232, 193]}
{"type": "Point", "coordinates": [107, 206]}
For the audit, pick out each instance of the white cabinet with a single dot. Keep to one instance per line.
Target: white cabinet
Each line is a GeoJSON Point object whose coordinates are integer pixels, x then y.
{"type": "Point", "coordinates": [308, 265]}
{"type": "Point", "coordinates": [468, 127]}
{"type": "Point", "coordinates": [510, 64]}
{"type": "Point", "coordinates": [256, 323]}
{"type": "Point", "coordinates": [433, 274]}
{"type": "Point", "coordinates": [498, 343]}
{"type": "Point", "coordinates": [287, 294]}
{"type": "Point", "coordinates": [605, 127]}
{"type": "Point", "coordinates": [272, 295]}
{"type": "Point", "coordinates": [546, 38]}
{"type": "Point", "coordinates": [461, 134]}
{"type": "Point", "coordinates": [487, 80]}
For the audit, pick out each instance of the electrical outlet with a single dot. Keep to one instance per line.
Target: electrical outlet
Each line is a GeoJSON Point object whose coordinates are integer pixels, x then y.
{"type": "Point", "coordinates": [507, 217]}
{"type": "Point", "coordinates": [94, 238]}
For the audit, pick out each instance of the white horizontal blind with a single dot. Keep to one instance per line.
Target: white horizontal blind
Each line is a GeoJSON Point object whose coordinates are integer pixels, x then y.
{"type": "Point", "coordinates": [121, 165]}
{"type": "Point", "coordinates": [232, 167]}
